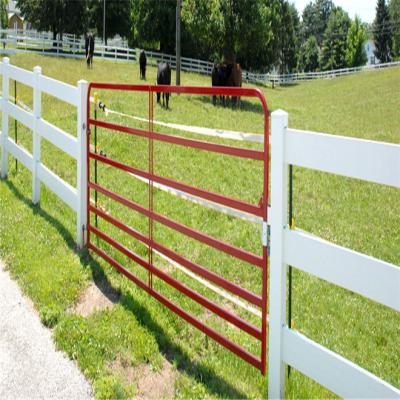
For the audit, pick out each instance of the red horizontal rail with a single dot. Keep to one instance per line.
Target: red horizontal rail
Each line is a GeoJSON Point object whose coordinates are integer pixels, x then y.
{"type": "Point", "coordinates": [210, 91]}
{"type": "Point", "coordinates": [198, 269]}
{"type": "Point", "coordinates": [239, 351]}
{"type": "Point", "coordinates": [228, 316]}
{"type": "Point", "coordinates": [200, 236]}
{"type": "Point", "coordinates": [204, 194]}
{"type": "Point", "coordinates": [196, 144]}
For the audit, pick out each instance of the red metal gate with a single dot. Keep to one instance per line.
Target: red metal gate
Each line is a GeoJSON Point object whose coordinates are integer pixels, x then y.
{"type": "Point", "coordinates": [259, 210]}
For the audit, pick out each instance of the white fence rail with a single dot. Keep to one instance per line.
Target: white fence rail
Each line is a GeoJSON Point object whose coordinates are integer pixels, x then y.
{"type": "Point", "coordinates": [75, 198]}
{"type": "Point", "coordinates": [370, 277]}
{"type": "Point", "coordinates": [72, 46]}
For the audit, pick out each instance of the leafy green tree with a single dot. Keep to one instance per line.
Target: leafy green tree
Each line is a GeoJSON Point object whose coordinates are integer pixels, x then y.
{"type": "Point", "coordinates": [356, 55]}
{"type": "Point", "coordinates": [309, 55]}
{"type": "Point", "coordinates": [333, 53]}
{"type": "Point", "coordinates": [217, 30]}
{"type": "Point", "coordinates": [382, 32]}
{"type": "Point", "coordinates": [154, 23]}
{"type": "Point", "coordinates": [253, 37]}
{"type": "Point", "coordinates": [118, 17]}
{"type": "Point", "coordinates": [202, 27]}
{"type": "Point", "coordinates": [59, 16]}
{"type": "Point", "coordinates": [394, 12]}
{"type": "Point", "coordinates": [235, 30]}
{"type": "Point", "coordinates": [315, 19]}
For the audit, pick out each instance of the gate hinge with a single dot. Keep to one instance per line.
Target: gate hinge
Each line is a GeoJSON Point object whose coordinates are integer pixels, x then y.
{"type": "Point", "coordinates": [266, 235]}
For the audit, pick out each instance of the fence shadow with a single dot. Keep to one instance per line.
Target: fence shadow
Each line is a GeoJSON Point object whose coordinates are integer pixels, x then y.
{"type": "Point", "coordinates": [37, 210]}
{"type": "Point", "coordinates": [169, 349]}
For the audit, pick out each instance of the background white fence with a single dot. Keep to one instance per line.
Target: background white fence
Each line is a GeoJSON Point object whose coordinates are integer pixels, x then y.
{"type": "Point", "coordinates": [117, 49]}
{"type": "Point", "coordinates": [75, 198]}
{"type": "Point", "coordinates": [375, 279]}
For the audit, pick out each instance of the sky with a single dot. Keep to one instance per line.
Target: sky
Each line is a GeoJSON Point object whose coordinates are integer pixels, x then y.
{"type": "Point", "coordinates": [365, 9]}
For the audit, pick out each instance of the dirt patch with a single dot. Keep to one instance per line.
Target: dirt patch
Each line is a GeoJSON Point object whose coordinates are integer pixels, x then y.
{"type": "Point", "coordinates": [97, 296]}
{"type": "Point", "coordinates": [150, 384]}
{"type": "Point", "coordinates": [156, 385]}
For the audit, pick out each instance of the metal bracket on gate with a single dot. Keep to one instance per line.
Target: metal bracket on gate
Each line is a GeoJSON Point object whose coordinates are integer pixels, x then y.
{"type": "Point", "coordinates": [266, 234]}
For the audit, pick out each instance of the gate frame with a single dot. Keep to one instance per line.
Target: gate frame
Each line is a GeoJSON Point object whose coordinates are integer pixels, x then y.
{"type": "Point", "coordinates": [260, 210]}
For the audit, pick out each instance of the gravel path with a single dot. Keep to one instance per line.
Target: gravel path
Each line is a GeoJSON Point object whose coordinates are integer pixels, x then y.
{"type": "Point", "coordinates": [30, 366]}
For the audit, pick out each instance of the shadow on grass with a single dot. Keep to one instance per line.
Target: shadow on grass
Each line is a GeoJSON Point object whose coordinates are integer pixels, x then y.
{"type": "Point", "coordinates": [170, 350]}
{"type": "Point", "coordinates": [245, 105]}
{"type": "Point", "coordinates": [37, 210]}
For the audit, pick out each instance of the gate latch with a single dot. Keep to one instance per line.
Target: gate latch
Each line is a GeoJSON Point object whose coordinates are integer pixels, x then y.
{"type": "Point", "coordinates": [265, 234]}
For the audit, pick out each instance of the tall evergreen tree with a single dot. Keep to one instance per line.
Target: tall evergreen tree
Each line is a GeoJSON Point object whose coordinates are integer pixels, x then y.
{"type": "Point", "coordinates": [382, 32]}
{"type": "Point", "coordinates": [288, 38]}
{"type": "Point", "coordinates": [356, 55]}
{"type": "Point", "coordinates": [394, 12]}
{"type": "Point", "coordinates": [333, 54]}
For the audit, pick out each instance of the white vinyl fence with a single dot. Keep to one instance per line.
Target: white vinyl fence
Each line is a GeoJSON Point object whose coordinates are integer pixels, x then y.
{"type": "Point", "coordinates": [75, 198]}
{"type": "Point", "coordinates": [72, 46]}
{"type": "Point", "coordinates": [375, 279]}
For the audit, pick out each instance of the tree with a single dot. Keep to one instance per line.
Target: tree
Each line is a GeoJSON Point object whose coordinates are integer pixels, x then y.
{"type": "Point", "coordinates": [154, 23]}
{"type": "Point", "coordinates": [118, 17]}
{"type": "Point", "coordinates": [254, 32]}
{"type": "Point", "coordinates": [382, 32]}
{"type": "Point", "coordinates": [202, 27]}
{"type": "Point", "coordinates": [315, 19]}
{"type": "Point", "coordinates": [333, 53]}
{"type": "Point", "coordinates": [309, 55]}
{"type": "Point", "coordinates": [59, 16]}
{"type": "Point", "coordinates": [356, 55]}
{"type": "Point", "coordinates": [3, 16]}
{"type": "Point", "coordinates": [394, 12]}
{"type": "Point", "coordinates": [288, 37]}
{"type": "Point", "coordinates": [217, 30]}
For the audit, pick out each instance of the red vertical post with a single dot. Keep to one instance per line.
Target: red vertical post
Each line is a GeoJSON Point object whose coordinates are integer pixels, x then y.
{"type": "Point", "coordinates": [264, 295]}
{"type": "Point", "coordinates": [150, 186]}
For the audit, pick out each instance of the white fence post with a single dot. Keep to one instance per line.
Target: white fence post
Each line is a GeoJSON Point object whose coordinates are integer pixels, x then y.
{"type": "Point", "coordinates": [81, 218]}
{"type": "Point", "coordinates": [37, 113]}
{"type": "Point", "coordinates": [4, 119]}
{"type": "Point", "coordinates": [278, 271]}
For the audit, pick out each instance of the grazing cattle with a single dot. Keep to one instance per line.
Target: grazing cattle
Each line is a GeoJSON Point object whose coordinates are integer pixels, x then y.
{"type": "Point", "coordinates": [89, 49]}
{"type": "Point", "coordinates": [142, 63]}
{"type": "Point", "coordinates": [226, 75]}
{"type": "Point", "coordinates": [235, 79]}
{"type": "Point", "coordinates": [219, 77]}
{"type": "Point", "coordinates": [163, 78]}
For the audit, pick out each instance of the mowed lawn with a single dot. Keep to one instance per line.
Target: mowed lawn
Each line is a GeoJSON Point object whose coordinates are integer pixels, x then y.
{"type": "Point", "coordinates": [37, 243]}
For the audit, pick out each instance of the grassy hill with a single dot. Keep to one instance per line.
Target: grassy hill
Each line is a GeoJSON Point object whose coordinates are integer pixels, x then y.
{"type": "Point", "coordinates": [37, 243]}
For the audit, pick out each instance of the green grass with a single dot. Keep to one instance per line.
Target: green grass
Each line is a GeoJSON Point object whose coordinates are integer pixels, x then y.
{"type": "Point", "coordinates": [37, 243]}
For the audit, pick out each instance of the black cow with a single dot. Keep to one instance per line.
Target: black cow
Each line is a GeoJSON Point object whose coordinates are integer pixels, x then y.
{"type": "Point", "coordinates": [227, 75]}
{"type": "Point", "coordinates": [89, 49]}
{"type": "Point", "coordinates": [163, 78]}
{"type": "Point", "coordinates": [142, 63]}
{"type": "Point", "coordinates": [219, 77]}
